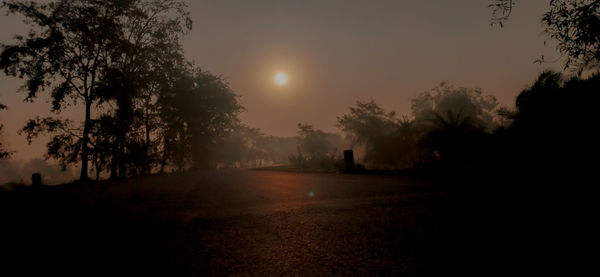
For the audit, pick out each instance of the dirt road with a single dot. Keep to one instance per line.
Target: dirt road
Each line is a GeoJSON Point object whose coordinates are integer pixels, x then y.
{"type": "Point", "coordinates": [242, 223]}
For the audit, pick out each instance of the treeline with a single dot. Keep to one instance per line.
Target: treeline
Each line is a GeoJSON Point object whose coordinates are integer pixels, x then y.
{"type": "Point", "coordinates": [446, 124]}
{"type": "Point", "coordinates": [317, 150]}
{"type": "Point", "coordinates": [462, 131]}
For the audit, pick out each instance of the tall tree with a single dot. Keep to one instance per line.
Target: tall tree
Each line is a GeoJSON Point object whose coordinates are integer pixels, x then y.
{"type": "Point", "coordinates": [65, 51]}
{"type": "Point", "coordinates": [151, 47]}
{"type": "Point", "coordinates": [74, 44]}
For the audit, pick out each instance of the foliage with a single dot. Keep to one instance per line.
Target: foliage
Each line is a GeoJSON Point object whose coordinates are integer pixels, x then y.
{"type": "Point", "coordinates": [75, 47]}
{"type": "Point", "coordinates": [574, 24]}
{"type": "Point", "coordinates": [447, 106]}
{"type": "Point", "coordinates": [365, 122]}
{"type": "Point", "coordinates": [455, 121]}
{"type": "Point", "coordinates": [199, 112]}
{"type": "Point", "coordinates": [554, 127]}
{"type": "Point", "coordinates": [389, 142]}
{"type": "Point", "coordinates": [64, 146]}
{"type": "Point", "coordinates": [501, 11]}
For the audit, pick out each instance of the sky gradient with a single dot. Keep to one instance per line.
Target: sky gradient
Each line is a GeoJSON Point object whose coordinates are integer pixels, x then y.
{"type": "Point", "coordinates": [335, 53]}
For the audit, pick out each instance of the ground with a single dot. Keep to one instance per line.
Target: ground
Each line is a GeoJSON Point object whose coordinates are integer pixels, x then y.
{"type": "Point", "coordinates": [241, 223]}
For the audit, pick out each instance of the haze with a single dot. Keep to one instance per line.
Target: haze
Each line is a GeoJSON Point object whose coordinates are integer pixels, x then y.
{"type": "Point", "coordinates": [336, 52]}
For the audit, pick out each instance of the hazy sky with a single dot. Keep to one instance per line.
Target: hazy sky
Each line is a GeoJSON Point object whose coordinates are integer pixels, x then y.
{"type": "Point", "coordinates": [335, 53]}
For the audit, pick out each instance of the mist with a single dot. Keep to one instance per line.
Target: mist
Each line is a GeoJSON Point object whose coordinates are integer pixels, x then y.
{"type": "Point", "coordinates": [19, 172]}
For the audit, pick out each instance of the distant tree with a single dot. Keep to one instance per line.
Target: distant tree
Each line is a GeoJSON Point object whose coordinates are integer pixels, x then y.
{"type": "Point", "coordinates": [73, 44]}
{"type": "Point", "coordinates": [406, 151]}
{"type": "Point", "coordinates": [455, 121]}
{"type": "Point", "coordinates": [448, 105]}
{"type": "Point", "coordinates": [243, 145]}
{"type": "Point", "coordinates": [200, 111]}
{"type": "Point", "coordinates": [371, 127]}
{"type": "Point", "coordinates": [315, 143]}
{"type": "Point", "coordinates": [316, 148]}
{"type": "Point", "coordinates": [366, 121]}
{"type": "Point", "coordinates": [277, 150]}
{"type": "Point", "coordinates": [574, 24]}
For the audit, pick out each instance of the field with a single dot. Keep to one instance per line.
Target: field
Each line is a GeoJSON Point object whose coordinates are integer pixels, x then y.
{"type": "Point", "coordinates": [240, 222]}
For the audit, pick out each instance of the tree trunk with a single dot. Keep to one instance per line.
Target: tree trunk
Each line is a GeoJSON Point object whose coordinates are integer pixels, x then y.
{"type": "Point", "coordinates": [122, 165]}
{"type": "Point", "coordinates": [198, 157]}
{"type": "Point", "coordinates": [97, 172]}
{"type": "Point", "coordinates": [148, 148]}
{"type": "Point", "coordinates": [163, 159]}
{"type": "Point", "coordinates": [113, 162]}
{"type": "Point", "coordinates": [85, 141]}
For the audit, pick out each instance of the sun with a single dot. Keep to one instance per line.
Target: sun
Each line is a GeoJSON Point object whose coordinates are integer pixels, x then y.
{"type": "Point", "coordinates": [281, 78]}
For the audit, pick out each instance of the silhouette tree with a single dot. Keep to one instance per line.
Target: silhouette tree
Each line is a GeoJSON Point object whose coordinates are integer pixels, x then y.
{"type": "Point", "coordinates": [553, 122]}
{"type": "Point", "coordinates": [405, 144]}
{"type": "Point", "coordinates": [67, 54]}
{"type": "Point", "coordinates": [369, 126]}
{"type": "Point", "coordinates": [64, 146]}
{"type": "Point", "coordinates": [74, 44]}
{"type": "Point", "coordinates": [316, 148]}
{"type": "Point", "coordinates": [200, 111]}
{"type": "Point", "coordinates": [365, 121]}
{"type": "Point", "coordinates": [150, 46]}
{"type": "Point", "coordinates": [455, 122]}
{"type": "Point", "coordinates": [574, 24]}
{"type": "Point", "coordinates": [103, 143]}
{"type": "Point", "coordinates": [447, 105]}
{"type": "Point", "coordinates": [3, 153]}
{"type": "Point", "coordinates": [576, 27]}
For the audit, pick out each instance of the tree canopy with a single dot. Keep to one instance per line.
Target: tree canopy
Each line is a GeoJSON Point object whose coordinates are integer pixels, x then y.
{"type": "Point", "coordinates": [448, 105]}
{"type": "Point", "coordinates": [199, 112]}
{"type": "Point", "coordinates": [76, 48]}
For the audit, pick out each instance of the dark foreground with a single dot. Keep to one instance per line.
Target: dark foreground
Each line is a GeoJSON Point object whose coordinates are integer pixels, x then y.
{"type": "Point", "coordinates": [256, 223]}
